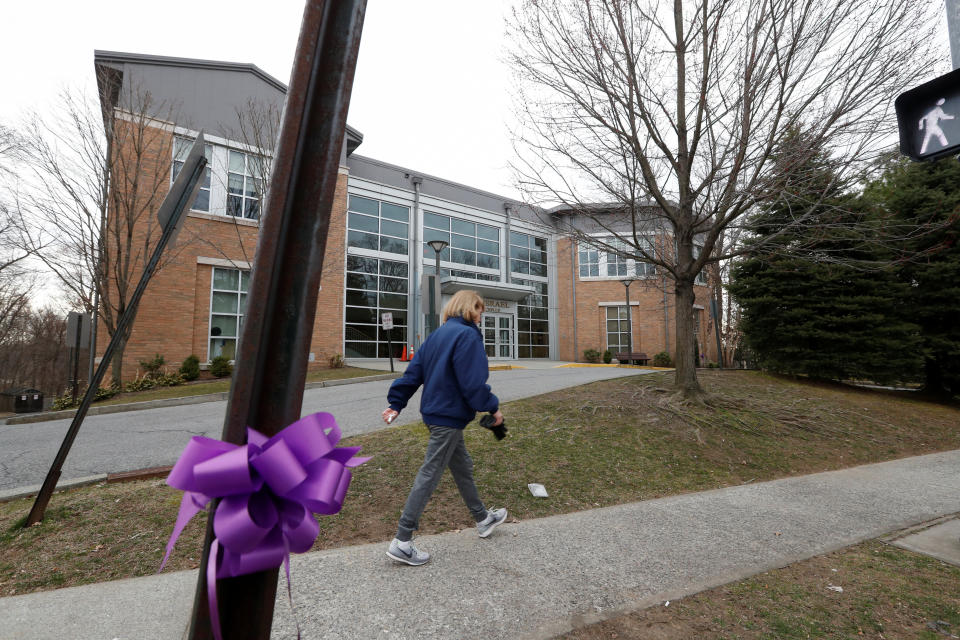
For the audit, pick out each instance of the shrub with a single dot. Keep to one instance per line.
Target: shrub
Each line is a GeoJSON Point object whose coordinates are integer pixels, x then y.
{"type": "Point", "coordinates": [712, 365]}
{"type": "Point", "coordinates": [140, 384]}
{"type": "Point", "coordinates": [66, 400]}
{"type": "Point", "coordinates": [591, 355]}
{"type": "Point", "coordinates": [63, 402]}
{"type": "Point", "coordinates": [190, 369]}
{"type": "Point", "coordinates": [169, 379]}
{"type": "Point", "coordinates": [662, 359]}
{"type": "Point", "coordinates": [152, 367]}
{"type": "Point", "coordinates": [221, 367]}
{"type": "Point", "coordinates": [607, 357]}
{"type": "Point", "coordinates": [336, 361]}
{"type": "Point", "coordinates": [104, 393]}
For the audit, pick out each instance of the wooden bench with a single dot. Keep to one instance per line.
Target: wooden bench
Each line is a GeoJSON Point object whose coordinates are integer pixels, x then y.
{"type": "Point", "coordinates": [629, 358]}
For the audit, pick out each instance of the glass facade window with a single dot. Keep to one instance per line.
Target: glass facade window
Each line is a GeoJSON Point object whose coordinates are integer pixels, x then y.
{"type": "Point", "coordinates": [618, 329]}
{"type": "Point", "coordinates": [470, 243]}
{"type": "Point", "coordinates": [181, 149]}
{"type": "Point", "coordinates": [377, 226]}
{"type": "Point", "coordinates": [533, 327]}
{"type": "Point", "coordinates": [228, 303]}
{"type": "Point", "coordinates": [528, 254]}
{"type": "Point", "coordinates": [375, 285]}
{"type": "Point", "coordinates": [244, 185]}
{"type": "Point", "coordinates": [471, 275]}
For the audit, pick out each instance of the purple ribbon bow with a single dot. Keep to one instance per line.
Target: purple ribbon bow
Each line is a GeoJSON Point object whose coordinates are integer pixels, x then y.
{"type": "Point", "coordinates": [269, 491]}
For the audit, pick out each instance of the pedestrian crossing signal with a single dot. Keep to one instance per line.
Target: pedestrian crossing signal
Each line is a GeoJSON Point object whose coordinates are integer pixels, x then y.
{"type": "Point", "coordinates": [929, 118]}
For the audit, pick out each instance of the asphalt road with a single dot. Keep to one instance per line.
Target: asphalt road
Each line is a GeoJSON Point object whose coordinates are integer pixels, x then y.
{"type": "Point", "coordinates": [154, 437]}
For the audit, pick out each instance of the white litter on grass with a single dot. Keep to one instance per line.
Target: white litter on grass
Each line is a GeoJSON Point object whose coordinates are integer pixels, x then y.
{"type": "Point", "coordinates": [835, 588]}
{"type": "Point", "coordinates": [538, 490]}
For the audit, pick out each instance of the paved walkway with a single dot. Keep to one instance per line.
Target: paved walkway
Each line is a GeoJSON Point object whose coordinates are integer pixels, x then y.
{"type": "Point", "coordinates": [536, 578]}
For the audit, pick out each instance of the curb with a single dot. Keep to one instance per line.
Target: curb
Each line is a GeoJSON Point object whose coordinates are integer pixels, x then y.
{"type": "Point", "coordinates": [23, 492]}
{"type": "Point", "coordinates": [176, 402]}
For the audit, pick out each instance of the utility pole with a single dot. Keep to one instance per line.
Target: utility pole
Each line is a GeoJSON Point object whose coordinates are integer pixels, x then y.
{"type": "Point", "coordinates": [953, 28]}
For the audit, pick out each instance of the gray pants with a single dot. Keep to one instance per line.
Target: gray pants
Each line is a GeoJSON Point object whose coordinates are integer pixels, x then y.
{"type": "Point", "coordinates": [445, 449]}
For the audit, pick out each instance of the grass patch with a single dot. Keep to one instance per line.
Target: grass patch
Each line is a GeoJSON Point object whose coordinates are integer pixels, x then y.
{"type": "Point", "coordinates": [608, 443]}
{"type": "Point", "coordinates": [222, 386]}
{"type": "Point", "coordinates": [888, 592]}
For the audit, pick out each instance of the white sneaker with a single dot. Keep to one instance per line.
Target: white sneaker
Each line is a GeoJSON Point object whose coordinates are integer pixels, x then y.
{"type": "Point", "coordinates": [493, 519]}
{"type": "Point", "coordinates": [411, 555]}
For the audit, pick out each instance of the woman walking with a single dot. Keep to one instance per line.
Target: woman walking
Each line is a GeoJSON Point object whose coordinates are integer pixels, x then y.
{"type": "Point", "coordinates": [452, 367]}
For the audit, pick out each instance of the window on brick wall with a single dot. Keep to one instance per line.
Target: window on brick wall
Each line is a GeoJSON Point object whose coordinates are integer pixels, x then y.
{"type": "Point", "coordinates": [613, 259]}
{"type": "Point", "coordinates": [181, 149]}
{"type": "Point", "coordinates": [618, 329]}
{"type": "Point", "coordinates": [702, 276]}
{"type": "Point", "coordinates": [228, 303]}
{"type": "Point", "coordinates": [233, 182]}
{"type": "Point", "coordinates": [244, 185]}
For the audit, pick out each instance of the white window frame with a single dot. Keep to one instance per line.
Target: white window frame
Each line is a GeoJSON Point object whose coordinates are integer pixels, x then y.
{"type": "Point", "coordinates": [241, 308]}
{"type": "Point", "coordinates": [181, 147]}
{"type": "Point", "coordinates": [634, 268]}
{"type": "Point", "coordinates": [622, 317]}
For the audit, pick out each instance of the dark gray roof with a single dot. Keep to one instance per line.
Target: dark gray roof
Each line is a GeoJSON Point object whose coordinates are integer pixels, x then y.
{"type": "Point", "coordinates": [204, 93]}
{"type": "Point", "coordinates": [120, 57]}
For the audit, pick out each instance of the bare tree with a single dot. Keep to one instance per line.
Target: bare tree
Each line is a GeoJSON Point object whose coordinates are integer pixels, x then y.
{"type": "Point", "coordinates": [91, 182]}
{"type": "Point", "coordinates": [669, 113]}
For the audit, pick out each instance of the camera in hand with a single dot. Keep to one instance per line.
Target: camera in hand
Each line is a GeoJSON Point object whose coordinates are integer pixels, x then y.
{"type": "Point", "coordinates": [499, 431]}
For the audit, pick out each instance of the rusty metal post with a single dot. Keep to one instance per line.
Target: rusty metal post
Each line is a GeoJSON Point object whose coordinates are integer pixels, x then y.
{"type": "Point", "coordinates": [267, 388]}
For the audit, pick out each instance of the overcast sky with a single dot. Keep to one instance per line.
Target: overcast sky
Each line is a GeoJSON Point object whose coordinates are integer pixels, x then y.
{"type": "Point", "coordinates": [431, 91]}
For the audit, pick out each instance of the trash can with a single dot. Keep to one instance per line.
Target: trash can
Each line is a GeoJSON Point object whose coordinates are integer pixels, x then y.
{"type": "Point", "coordinates": [21, 400]}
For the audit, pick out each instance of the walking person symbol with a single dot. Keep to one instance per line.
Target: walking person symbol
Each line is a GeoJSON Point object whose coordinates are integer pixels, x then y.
{"type": "Point", "coordinates": [931, 122]}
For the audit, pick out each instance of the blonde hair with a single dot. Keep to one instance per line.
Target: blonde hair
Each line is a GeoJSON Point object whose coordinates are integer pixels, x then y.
{"type": "Point", "coordinates": [464, 304]}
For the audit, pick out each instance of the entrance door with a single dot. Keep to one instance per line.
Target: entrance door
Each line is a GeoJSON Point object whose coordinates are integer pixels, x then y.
{"type": "Point", "coordinates": [498, 335]}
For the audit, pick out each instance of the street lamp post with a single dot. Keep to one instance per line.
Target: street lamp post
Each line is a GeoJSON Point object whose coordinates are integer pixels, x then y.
{"type": "Point", "coordinates": [437, 246]}
{"type": "Point", "coordinates": [626, 285]}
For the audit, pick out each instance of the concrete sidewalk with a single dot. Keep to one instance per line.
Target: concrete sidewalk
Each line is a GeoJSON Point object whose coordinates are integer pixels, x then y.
{"type": "Point", "coordinates": [536, 578]}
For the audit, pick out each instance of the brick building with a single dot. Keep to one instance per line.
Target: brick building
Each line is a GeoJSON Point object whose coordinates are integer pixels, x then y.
{"type": "Point", "coordinates": [547, 295]}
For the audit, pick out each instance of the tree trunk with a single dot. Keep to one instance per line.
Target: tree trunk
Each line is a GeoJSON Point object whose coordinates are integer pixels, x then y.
{"type": "Point", "coordinates": [686, 375]}
{"type": "Point", "coordinates": [116, 363]}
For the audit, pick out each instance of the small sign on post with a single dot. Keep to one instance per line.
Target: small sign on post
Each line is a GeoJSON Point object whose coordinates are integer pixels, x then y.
{"type": "Point", "coordinates": [387, 318]}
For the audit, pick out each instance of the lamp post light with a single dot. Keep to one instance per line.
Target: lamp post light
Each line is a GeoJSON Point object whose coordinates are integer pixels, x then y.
{"type": "Point", "coordinates": [626, 284]}
{"type": "Point", "coordinates": [437, 246]}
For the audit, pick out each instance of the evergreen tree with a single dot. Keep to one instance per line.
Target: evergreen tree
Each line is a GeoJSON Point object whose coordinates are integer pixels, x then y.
{"type": "Point", "coordinates": [809, 305]}
{"type": "Point", "coordinates": [924, 198]}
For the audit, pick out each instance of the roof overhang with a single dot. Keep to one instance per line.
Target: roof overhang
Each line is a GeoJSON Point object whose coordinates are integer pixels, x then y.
{"type": "Point", "coordinates": [487, 289]}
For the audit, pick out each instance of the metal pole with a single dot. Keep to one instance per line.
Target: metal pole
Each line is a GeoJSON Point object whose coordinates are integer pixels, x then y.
{"type": "Point", "coordinates": [267, 388]}
{"type": "Point", "coordinates": [953, 28]}
{"type": "Point", "coordinates": [435, 313]}
{"type": "Point", "coordinates": [94, 317]}
{"type": "Point", "coordinates": [629, 323]}
{"type": "Point", "coordinates": [76, 359]}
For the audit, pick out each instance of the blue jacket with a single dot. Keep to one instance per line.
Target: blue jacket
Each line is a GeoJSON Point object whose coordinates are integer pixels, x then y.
{"type": "Point", "coordinates": [452, 367]}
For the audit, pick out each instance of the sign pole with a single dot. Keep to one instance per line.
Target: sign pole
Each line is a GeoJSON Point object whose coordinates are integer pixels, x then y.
{"type": "Point", "coordinates": [266, 392]}
{"type": "Point", "coordinates": [170, 213]}
{"type": "Point", "coordinates": [388, 327]}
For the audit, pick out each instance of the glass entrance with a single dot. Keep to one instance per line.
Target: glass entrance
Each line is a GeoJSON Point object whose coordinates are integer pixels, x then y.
{"type": "Point", "coordinates": [498, 337]}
